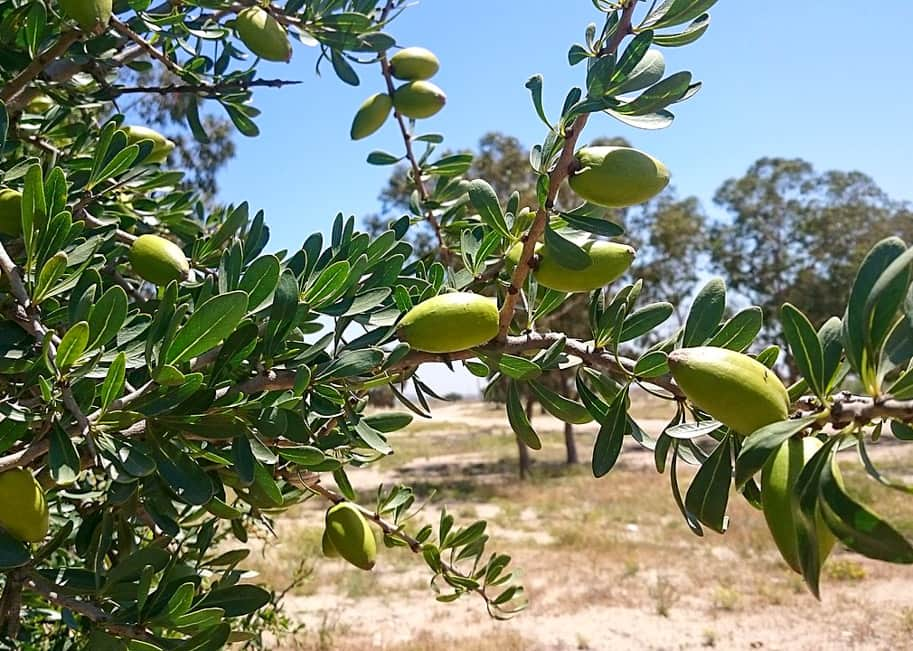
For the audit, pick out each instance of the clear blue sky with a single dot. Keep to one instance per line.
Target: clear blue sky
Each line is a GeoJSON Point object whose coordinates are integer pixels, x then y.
{"type": "Point", "coordinates": [826, 80]}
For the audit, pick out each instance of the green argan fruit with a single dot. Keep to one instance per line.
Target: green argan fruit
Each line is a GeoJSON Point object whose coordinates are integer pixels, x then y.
{"type": "Point", "coordinates": [778, 478]}
{"type": "Point", "coordinates": [608, 262]}
{"type": "Point", "coordinates": [10, 212]}
{"type": "Point", "coordinates": [371, 116]}
{"type": "Point", "coordinates": [161, 146]}
{"type": "Point", "coordinates": [617, 177]}
{"type": "Point", "coordinates": [326, 545]}
{"type": "Point", "coordinates": [351, 535]}
{"type": "Point", "coordinates": [419, 99]}
{"type": "Point", "coordinates": [158, 260]}
{"type": "Point", "coordinates": [24, 515]}
{"type": "Point", "coordinates": [88, 14]}
{"type": "Point", "coordinates": [263, 35]}
{"type": "Point", "coordinates": [450, 322]}
{"type": "Point", "coordinates": [646, 73]}
{"type": "Point", "coordinates": [414, 64]}
{"type": "Point", "coordinates": [736, 389]}
{"type": "Point", "coordinates": [40, 103]}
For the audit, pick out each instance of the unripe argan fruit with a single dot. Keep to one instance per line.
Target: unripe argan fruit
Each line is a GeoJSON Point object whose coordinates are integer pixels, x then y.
{"type": "Point", "coordinates": [608, 262]}
{"type": "Point", "coordinates": [158, 260]}
{"type": "Point", "coordinates": [617, 177]}
{"type": "Point", "coordinates": [778, 478]}
{"type": "Point", "coordinates": [24, 515]}
{"type": "Point", "coordinates": [371, 116]}
{"type": "Point", "coordinates": [10, 212]}
{"type": "Point", "coordinates": [414, 64]}
{"type": "Point", "coordinates": [737, 390]}
{"type": "Point", "coordinates": [351, 536]}
{"type": "Point", "coordinates": [263, 35]}
{"type": "Point", "coordinates": [161, 146]}
{"type": "Point", "coordinates": [88, 14]}
{"type": "Point", "coordinates": [449, 323]}
{"type": "Point", "coordinates": [326, 545]}
{"type": "Point", "coordinates": [419, 99]}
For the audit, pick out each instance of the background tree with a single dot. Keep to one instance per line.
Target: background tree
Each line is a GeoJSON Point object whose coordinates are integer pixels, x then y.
{"type": "Point", "coordinates": [797, 235]}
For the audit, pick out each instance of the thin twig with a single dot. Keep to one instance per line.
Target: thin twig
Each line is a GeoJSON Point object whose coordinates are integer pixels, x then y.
{"type": "Point", "coordinates": [124, 30]}
{"type": "Point", "coordinates": [38, 64]}
{"type": "Point", "coordinates": [429, 215]}
{"type": "Point", "coordinates": [202, 88]}
{"type": "Point", "coordinates": [555, 178]}
{"type": "Point", "coordinates": [56, 594]}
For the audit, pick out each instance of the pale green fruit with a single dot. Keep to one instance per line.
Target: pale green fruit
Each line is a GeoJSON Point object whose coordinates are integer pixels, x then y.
{"type": "Point", "coordinates": [414, 64]}
{"type": "Point", "coordinates": [450, 322]}
{"type": "Point", "coordinates": [371, 116]}
{"type": "Point", "coordinates": [158, 260]}
{"type": "Point", "coordinates": [735, 389]}
{"type": "Point", "coordinates": [24, 512]}
{"type": "Point", "coordinates": [161, 146]}
{"type": "Point", "coordinates": [10, 212]}
{"type": "Point", "coordinates": [419, 99]}
{"type": "Point", "coordinates": [777, 481]}
{"type": "Point", "coordinates": [88, 14]}
{"type": "Point", "coordinates": [646, 73]}
{"type": "Point", "coordinates": [617, 177]}
{"type": "Point", "coordinates": [351, 536]}
{"type": "Point", "coordinates": [608, 262]}
{"type": "Point", "coordinates": [40, 103]}
{"type": "Point", "coordinates": [326, 545]}
{"type": "Point", "coordinates": [263, 35]}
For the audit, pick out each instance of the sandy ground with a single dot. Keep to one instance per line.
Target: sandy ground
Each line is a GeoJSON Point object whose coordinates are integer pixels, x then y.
{"type": "Point", "coordinates": [607, 564]}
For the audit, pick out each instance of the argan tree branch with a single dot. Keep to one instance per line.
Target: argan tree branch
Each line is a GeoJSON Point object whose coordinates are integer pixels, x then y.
{"type": "Point", "coordinates": [38, 64]}
{"type": "Point", "coordinates": [410, 152]}
{"type": "Point", "coordinates": [555, 178]}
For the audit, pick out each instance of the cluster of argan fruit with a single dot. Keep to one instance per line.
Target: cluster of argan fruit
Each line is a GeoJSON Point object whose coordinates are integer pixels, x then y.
{"type": "Point", "coordinates": [418, 98]}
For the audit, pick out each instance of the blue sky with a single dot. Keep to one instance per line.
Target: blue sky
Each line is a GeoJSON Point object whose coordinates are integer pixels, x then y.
{"type": "Point", "coordinates": [826, 80]}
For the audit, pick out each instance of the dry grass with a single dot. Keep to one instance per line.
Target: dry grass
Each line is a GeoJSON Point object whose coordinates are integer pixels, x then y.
{"type": "Point", "coordinates": [615, 547]}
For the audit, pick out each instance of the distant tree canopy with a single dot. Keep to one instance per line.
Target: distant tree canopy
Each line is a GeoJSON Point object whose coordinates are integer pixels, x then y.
{"type": "Point", "coordinates": [797, 235]}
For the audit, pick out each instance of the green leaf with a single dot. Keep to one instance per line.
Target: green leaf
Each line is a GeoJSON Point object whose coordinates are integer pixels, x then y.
{"type": "Point", "coordinates": [485, 201]}
{"type": "Point", "coordinates": [565, 253]}
{"type": "Point", "coordinates": [805, 347]}
{"type": "Point", "coordinates": [303, 456]}
{"type": "Point", "coordinates": [72, 345]}
{"type": "Point", "coordinates": [564, 409]}
{"type": "Point", "coordinates": [107, 317]}
{"type": "Point", "coordinates": [63, 459]}
{"type": "Point", "coordinates": [708, 495]}
{"type": "Point", "coordinates": [113, 385]}
{"type": "Point", "coordinates": [352, 363]}
{"type": "Point", "coordinates": [13, 553]}
{"type": "Point", "coordinates": [705, 314]}
{"type": "Point", "coordinates": [519, 423]}
{"type": "Point", "coordinates": [237, 600]}
{"type": "Point", "coordinates": [260, 280]}
{"type": "Point", "coordinates": [518, 368]}
{"type": "Point", "coordinates": [644, 320]}
{"type": "Point", "coordinates": [50, 273]}
{"type": "Point", "coordinates": [688, 431]}
{"type": "Point", "coordinates": [534, 85]}
{"type": "Point", "coordinates": [653, 364]}
{"type": "Point", "coordinates": [670, 90]}
{"type": "Point", "coordinates": [689, 35]}
{"type": "Point", "coordinates": [740, 331]}
{"type": "Point", "coordinates": [858, 527]}
{"type": "Point", "coordinates": [329, 284]}
{"type": "Point", "coordinates": [760, 445]}
{"type": "Point", "coordinates": [610, 437]}
{"type": "Point", "coordinates": [382, 158]}
{"type": "Point", "coordinates": [886, 297]}
{"type": "Point", "coordinates": [207, 326]}
{"type": "Point", "coordinates": [856, 323]}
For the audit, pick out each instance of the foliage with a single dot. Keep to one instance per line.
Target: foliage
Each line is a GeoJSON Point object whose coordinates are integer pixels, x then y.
{"type": "Point", "coordinates": [166, 423]}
